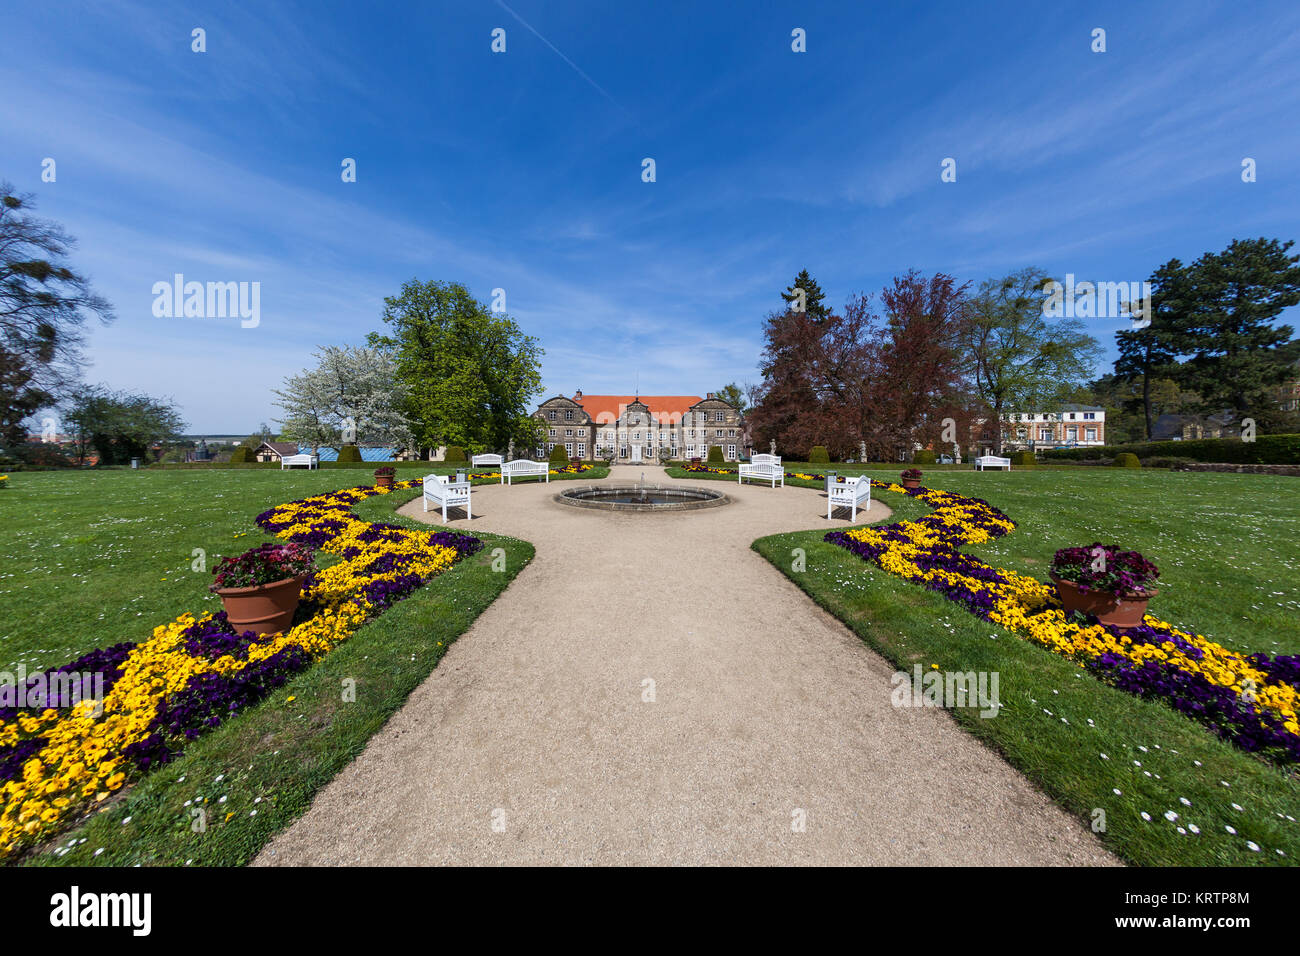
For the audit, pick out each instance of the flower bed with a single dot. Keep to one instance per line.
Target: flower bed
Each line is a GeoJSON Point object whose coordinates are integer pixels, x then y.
{"type": "Point", "coordinates": [195, 672]}
{"type": "Point", "coordinates": [1250, 700]}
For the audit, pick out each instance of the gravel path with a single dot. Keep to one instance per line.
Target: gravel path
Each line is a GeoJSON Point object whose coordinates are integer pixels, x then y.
{"type": "Point", "coordinates": [531, 743]}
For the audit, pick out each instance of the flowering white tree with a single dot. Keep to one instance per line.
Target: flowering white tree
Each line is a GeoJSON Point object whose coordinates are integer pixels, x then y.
{"type": "Point", "coordinates": [351, 395]}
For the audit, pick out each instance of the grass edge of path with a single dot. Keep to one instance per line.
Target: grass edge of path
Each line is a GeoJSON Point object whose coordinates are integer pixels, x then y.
{"type": "Point", "coordinates": [1062, 759]}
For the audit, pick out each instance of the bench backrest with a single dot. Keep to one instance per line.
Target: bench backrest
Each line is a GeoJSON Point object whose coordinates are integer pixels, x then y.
{"type": "Point", "coordinates": [303, 459]}
{"type": "Point", "coordinates": [772, 460]}
{"type": "Point", "coordinates": [485, 460]}
{"type": "Point", "coordinates": [993, 460]}
{"type": "Point", "coordinates": [525, 466]}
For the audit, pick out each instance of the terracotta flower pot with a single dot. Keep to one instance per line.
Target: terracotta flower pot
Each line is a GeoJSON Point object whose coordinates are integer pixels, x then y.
{"type": "Point", "coordinates": [264, 609]}
{"type": "Point", "coordinates": [911, 482]}
{"type": "Point", "coordinates": [383, 481]}
{"type": "Point", "coordinates": [1117, 610]}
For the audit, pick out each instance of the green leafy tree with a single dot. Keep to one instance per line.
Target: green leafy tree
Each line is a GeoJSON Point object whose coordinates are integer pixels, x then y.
{"type": "Point", "coordinates": [1225, 323]}
{"type": "Point", "coordinates": [20, 397]}
{"type": "Point", "coordinates": [1019, 359]}
{"type": "Point", "coordinates": [736, 395]}
{"type": "Point", "coordinates": [119, 426]}
{"type": "Point", "coordinates": [467, 374]}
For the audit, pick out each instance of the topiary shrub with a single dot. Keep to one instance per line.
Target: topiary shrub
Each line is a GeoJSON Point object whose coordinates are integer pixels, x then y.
{"type": "Point", "coordinates": [559, 456]}
{"type": "Point", "coordinates": [1024, 459]}
{"type": "Point", "coordinates": [349, 455]}
{"type": "Point", "coordinates": [924, 457]}
{"type": "Point", "coordinates": [242, 455]}
{"type": "Point", "coordinates": [819, 455]}
{"type": "Point", "coordinates": [454, 454]}
{"type": "Point", "coordinates": [715, 454]}
{"type": "Point", "coordinates": [1126, 459]}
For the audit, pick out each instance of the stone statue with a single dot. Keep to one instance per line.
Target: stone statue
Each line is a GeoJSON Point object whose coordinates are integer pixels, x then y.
{"type": "Point", "coordinates": [510, 451]}
{"type": "Point", "coordinates": [772, 446]}
{"type": "Point", "coordinates": [862, 451]}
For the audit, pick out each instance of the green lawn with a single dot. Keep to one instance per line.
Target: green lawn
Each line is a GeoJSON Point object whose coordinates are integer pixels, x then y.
{"type": "Point", "coordinates": [92, 558]}
{"type": "Point", "coordinates": [1226, 546]}
{"type": "Point", "coordinates": [253, 776]}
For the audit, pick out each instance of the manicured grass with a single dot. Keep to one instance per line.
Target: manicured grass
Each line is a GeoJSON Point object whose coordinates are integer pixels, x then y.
{"type": "Point", "coordinates": [1057, 720]}
{"type": "Point", "coordinates": [255, 775]}
{"type": "Point", "coordinates": [1225, 543]}
{"type": "Point", "coordinates": [92, 558]}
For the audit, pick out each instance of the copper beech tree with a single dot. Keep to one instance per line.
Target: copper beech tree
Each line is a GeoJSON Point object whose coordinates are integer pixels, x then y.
{"type": "Point", "coordinates": [841, 379]}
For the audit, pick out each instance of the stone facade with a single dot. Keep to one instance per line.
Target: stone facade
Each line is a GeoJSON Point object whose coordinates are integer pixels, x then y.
{"type": "Point", "coordinates": [637, 428]}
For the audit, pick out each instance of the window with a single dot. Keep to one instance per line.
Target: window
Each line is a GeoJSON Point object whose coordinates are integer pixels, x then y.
{"type": "Point", "coordinates": [549, 446]}
{"type": "Point", "coordinates": [568, 414]}
{"type": "Point", "coordinates": [568, 448]}
{"type": "Point", "coordinates": [1071, 416]}
{"type": "Point", "coordinates": [1072, 433]}
{"type": "Point", "coordinates": [1090, 433]}
{"type": "Point", "coordinates": [690, 451]}
{"type": "Point", "coordinates": [551, 432]}
{"type": "Point", "coordinates": [582, 449]}
{"type": "Point", "coordinates": [731, 433]}
{"type": "Point", "coordinates": [731, 452]}
{"type": "Point", "coordinates": [1044, 434]}
{"type": "Point", "coordinates": [1089, 416]}
{"type": "Point", "coordinates": [568, 433]}
{"type": "Point", "coordinates": [551, 414]}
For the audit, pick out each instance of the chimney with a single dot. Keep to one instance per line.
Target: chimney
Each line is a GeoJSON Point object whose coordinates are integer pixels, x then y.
{"type": "Point", "coordinates": [708, 395]}
{"type": "Point", "coordinates": [577, 396]}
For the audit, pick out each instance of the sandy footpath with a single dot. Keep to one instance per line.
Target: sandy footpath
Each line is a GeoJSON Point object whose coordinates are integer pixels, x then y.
{"type": "Point", "coordinates": [531, 742]}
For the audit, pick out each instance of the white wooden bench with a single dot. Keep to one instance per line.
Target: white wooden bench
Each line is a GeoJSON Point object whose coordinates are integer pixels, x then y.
{"type": "Point", "coordinates": [985, 462]}
{"type": "Point", "coordinates": [289, 461]}
{"type": "Point", "coordinates": [524, 467]}
{"type": "Point", "coordinates": [852, 493]}
{"type": "Point", "coordinates": [762, 468]}
{"type": "Point", "coordinates": [480, 460]}
{"type": "Point", "coordinates": [441, 490]}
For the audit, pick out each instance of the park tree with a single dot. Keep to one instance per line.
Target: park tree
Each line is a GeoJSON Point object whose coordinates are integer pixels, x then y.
{"type": "Point", "coordinates": [806, 292]}
{"type": "Point", "coordinates": [20, 397]}
{"type": "Point", "coordinates": [44, 303]}
{"type": "Point", "coordinates": [735, 394]}
{"type": "Point", "coordinates": [1237, 355]}
{"type": "Point", "coordinates": [118, 425]}
{"type": "Point", "coordinates": [1149, 354]}
{"type": "Point", "coordinates": [467, 374]}
{"type": "Point", "coordinates": [921, 357]}
{"type": "Point", "coordinates": [1018, 358]}
{"type": "Point", "coordinates": [352, 394]}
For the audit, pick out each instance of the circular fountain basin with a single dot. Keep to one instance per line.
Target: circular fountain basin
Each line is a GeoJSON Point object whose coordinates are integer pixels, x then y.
{"type": "Point", "coordinates": [642, 498]}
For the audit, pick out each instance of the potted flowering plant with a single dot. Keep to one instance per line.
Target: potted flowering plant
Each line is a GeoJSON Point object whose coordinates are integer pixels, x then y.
{"type": "Point", "coordinates": [384, 476]}
{"type": "Point", "coordinates": [260, 588]}
{"type": "Point", "coordinates": [911, 478]}
{"type": "Point", "coordinates": [1104, 581]}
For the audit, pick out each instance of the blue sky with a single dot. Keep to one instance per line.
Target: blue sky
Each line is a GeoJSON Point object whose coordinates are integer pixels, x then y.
{"type": "Point", "coordinates": [522, 170]}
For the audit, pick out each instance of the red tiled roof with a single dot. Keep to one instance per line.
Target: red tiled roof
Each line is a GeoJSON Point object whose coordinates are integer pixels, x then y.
{"type": "Point", "coordinates": [610, 407]}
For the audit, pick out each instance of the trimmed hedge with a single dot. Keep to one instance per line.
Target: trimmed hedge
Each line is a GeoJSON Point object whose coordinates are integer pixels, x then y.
{"type": "Point", "coordinates": [1126, 459]}
{"type": "Point", "coordinates": [925, 457]}
{"type": "Point", "coordinates": [715, 454]}
{"type": "Point", "coordinates": [241, 455]}
{"type": "Point", "coordinates": [558, 454]}
{"type": "Point", "coordinates": [349, 455]}
{"type": "Point", "coordinates": [819, 455]}
{"type": "Point", "coordinates": [454, 454]}
{"type": "Point", "coordinates": [1024, 459]}
{"type": "Point", "coordinates": [1264, 450]}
